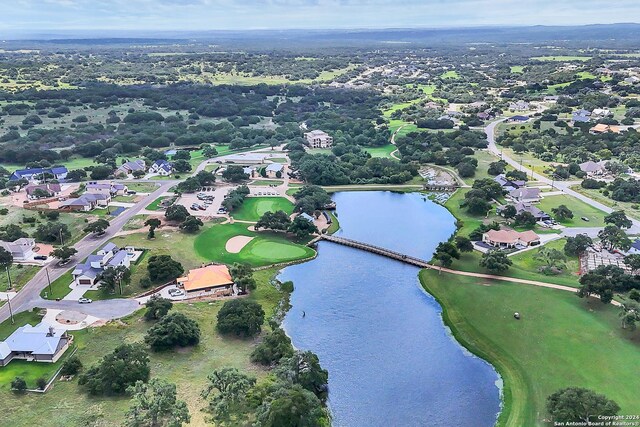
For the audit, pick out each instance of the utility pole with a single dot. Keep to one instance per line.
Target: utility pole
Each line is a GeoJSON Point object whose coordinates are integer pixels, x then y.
{"type": "Point", "coordinates": [10, 310]}
{"type": "Point", "coordinates": [46, 270]}
{"type": "Point", "coordinates": [61, 238]}
{"type": "Point", "coordinates": [8, 278]}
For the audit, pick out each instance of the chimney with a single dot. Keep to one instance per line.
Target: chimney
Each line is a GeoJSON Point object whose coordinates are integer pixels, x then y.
{"type": "Point", "coordinates": [51, 332]}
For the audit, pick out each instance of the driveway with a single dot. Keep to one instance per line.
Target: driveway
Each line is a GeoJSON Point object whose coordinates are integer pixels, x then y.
{"type": "Point", "coordinates": [107, 309]}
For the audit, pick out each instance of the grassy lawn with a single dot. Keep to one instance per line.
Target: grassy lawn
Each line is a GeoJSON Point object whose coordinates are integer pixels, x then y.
{"type": "Point", "coordinates": [254, 207]}
{"type": "Point", "coordinates": [124, 199]}
{"type": "Point", "coordinates": [384, 151]}
{"type": "Point", "coordinates": [517, 69]}
{"type": "Point", "coordinates": [629, 208]}
{"type": "Point", "coordinates": [142, 187]}
{"type": "Point", "coordinates": [484, 158]}
{"type": "Point", "coordinates": [59, 287]}
{"type": "Point", "coordinates": [578, 207]}
{"type": "Point", "coordinates": [267, 182]}
{"type": "Point", "coordinates": [525, 266]}
{"type": "Point", "coordinates": [155, 205]}
{"type": "Point", "coordinates": [20, 368]}
{"type": "Point", "coordinates": [560, 341]}
{"type": "Point", "coordinates": [264, 249]}
{"type": "Point", "coordinates": [279, 160]}
{"type": "Point", "coordinates": [67, 404]}
{"type": "Point", "coordinates": [20, 275]}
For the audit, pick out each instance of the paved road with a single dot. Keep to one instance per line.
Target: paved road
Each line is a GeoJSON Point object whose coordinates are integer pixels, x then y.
{"type": "Point", "coordinates": [29, 295]}
{"type": "Point", "coordinates": [559, 185]}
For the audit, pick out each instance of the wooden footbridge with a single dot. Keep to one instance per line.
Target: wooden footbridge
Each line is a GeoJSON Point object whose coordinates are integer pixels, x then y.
{"type": "Point", "coordinates": [376, 250]}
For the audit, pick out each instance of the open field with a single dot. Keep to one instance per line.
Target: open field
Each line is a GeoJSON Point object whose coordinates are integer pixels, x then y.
{"type": "Point", "coordinates": [254, 207]}
{"type": "Point", "coordinates": [517, 69]}
{"type": "Point", "coordinates": [560, 341]}
{"type": "Point", "coordinates": [67, 404]}
{"type": "Point", "coordinates": [264, 249]}
{"type": "Point", "coordinates": [579, 208]}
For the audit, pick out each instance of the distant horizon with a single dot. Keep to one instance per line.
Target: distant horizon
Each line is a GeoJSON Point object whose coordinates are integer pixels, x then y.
{"type": "Point", "coordinates": [99, 33]}
{"type": "Point", "coordinates": [30, 16]}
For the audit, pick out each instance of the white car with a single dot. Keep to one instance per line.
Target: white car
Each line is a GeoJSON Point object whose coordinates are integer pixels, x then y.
{"type": "Point", "coordinates": [176, 292]}
{"type": "Point", "coordinates": [85, 301]}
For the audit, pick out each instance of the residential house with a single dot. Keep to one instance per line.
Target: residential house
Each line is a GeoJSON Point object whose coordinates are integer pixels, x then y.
{"type": "Point", "coordinates": [58, 172]}
{"type": "Point", "coordinates": [525, 195]}
{"type": "Point", "coordinates": [130, 167]}
{"type": "Point", "coordinates": [107, 188]}
{"type": "Point", "coordinates": [87, 202]}
{"type": "Point", "coordinates": [510, 239]}
{"type": "Point", "coordinates": [592, 168]}
{"type": "Point", "coordinates": [601, 128]}
{"type": "Point", "coordinates": [581, 116]}
{"type": "Point", "coordinates": [40, 343]}
{"type": "Point", "coordinates": [635, 248]}
{"type": "Point", "coordinates": [21, 249]}
{"type": "Point", "coordinates": [632, 80]}
{"type": "Point", "coordinates": [161, 167]}
{"type": "Point", "coordinates": [109, 255]}
{"type": "Point", "coordinates": [508, 184]}
{"type": "Point", "coordinates": [600, 113]}
{"type": "Point", "coordinates": [538, 214]}
{"type": "Point", "coordinates": [42, 191]}
{"type": "Point", "coordinates": [519, 106]}
{"type": "Point", "coordinates": [318, 139]}
{"type": "Point", "coordinates": [551, 98]}
{"type": "Point", "coordinates": [274, 170]}
{"type": "Point", "coordinates": [249, 170]}
{"type": "Point", "coordinates": [518, 119]}
{"type": "Point", "coordinates": [212, 278]}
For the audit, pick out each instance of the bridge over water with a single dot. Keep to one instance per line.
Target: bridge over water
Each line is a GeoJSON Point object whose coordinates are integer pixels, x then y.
{"type": "Point", "coordinates": [376, 250]}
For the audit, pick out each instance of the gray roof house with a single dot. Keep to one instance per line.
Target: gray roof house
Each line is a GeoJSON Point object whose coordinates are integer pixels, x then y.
{"type": "Point", "coordinates": [109, 255]}
{"type": "Point", "coordinates": [86, 202]}
{"type": "Point", "coordinates": [538, 214]}
{"type": "Point", "coordinates": [40, 343]}
{"type": "Point", "coordinates": [21, 249]}
{"type": "Point", "coordinates": [131, 166]}
{"type": "Point", "coordinates": [593, 168]}
{"type": "Point", "coordinates": [106, 188]}
{"type": "Point", "coordinates": [161, 167]}
{"type": "Point", "coordinates": [527, 195]}
{"type": "Point", "coordinates": [307, 217]}
{"type": "Point", "coordinates": [507, 183]}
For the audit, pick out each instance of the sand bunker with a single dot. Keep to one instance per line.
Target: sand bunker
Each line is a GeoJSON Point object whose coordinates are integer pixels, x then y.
{"type": "Point", "coordinates": [235, 244]}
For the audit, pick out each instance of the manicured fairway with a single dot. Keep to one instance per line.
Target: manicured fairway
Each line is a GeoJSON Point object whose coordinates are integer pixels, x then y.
{"type": "Point", "coordinates": [254, 207]}
{"type": "Point", "coordinates": [264, 249]}
{"type": "Point", "coordinates": [560, 341]}
{"type": "Point", "coordinates": [384, 151]}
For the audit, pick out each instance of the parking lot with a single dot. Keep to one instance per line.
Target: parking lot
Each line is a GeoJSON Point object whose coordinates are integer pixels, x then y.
{"type": "Point", "coordinates": [211, 209]}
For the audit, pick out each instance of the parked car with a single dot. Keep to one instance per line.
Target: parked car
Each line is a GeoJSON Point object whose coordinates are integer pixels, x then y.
{"type": "Point", "coordinates": [584, 218]}
{"type": "Point", "coordinates": [85, 300]}
{"type": "Point", "coordinates": [131, 192]}
{"type": "Point", "coordinates": [222, 211]}
{"type": "Point", "coordinates": [40, 257]}
{"type": "Point", "coordinates": [176, 292]}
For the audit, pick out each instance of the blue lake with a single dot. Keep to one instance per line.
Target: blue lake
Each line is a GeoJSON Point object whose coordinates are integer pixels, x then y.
{"type": "Point", "coordinates": [391, 360]}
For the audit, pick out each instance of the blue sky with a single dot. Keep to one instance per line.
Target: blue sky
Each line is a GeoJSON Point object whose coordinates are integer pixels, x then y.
{"type": "Point", "coordinates": [37, 15]}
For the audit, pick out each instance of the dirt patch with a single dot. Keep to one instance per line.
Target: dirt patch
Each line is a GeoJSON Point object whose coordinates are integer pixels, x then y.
{"type": "Point", "coordinates": [235, 244]}
{"type": "Point", "coordinates": [69, 317]}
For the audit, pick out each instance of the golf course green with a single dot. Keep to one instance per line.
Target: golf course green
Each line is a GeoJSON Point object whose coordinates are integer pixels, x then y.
{"type": "Point", "coordinates": [254, 207]}
{"type": "Point", "coordinates": [264, 249]}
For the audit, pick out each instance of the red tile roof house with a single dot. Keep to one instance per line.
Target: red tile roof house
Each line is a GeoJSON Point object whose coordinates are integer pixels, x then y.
{"type": "Point", "coordinates": [510, 239]}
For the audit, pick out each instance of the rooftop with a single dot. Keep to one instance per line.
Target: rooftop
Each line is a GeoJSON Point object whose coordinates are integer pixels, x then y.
{"type": "Point", "coordinates": [206, 277]}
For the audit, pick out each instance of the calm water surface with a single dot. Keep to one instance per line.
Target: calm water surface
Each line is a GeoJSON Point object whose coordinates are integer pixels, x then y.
{"type": "Point", "coordinates": [391, 360]}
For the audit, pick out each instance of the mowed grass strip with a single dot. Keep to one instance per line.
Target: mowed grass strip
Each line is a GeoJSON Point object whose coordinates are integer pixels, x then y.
{"type": "Point", "coordinates": [254, 207]}
{"type": "Point", "coordinates": [265, 249]}
{"type": "Point", "coordinates": [560, 341]}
